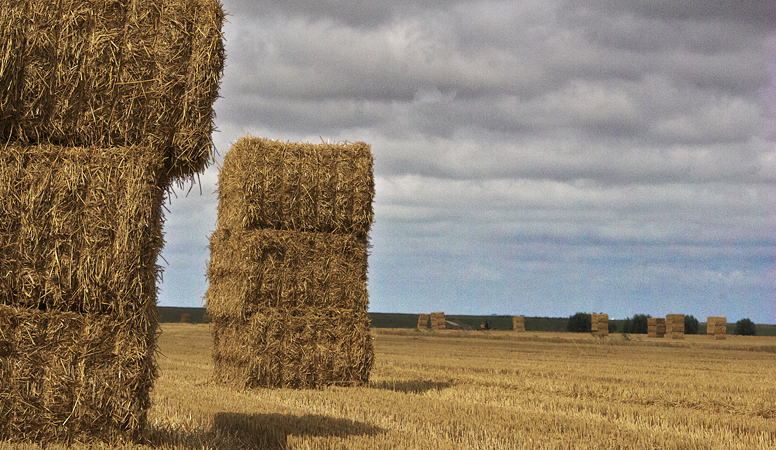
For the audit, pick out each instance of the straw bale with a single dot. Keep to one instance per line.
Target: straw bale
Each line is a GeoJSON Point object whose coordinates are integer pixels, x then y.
{"type": "Point", "coordinates": [599, 324]}
{"type": "Point", "coordinates": [656, 327]}
{"type": "Point", "coordinates": [294, 348]}
{"type": "Point", "coordinates": [251, 269]}
{"type": "Point", "coordinates": [297, 186]}
{"type": "Point", "coordinates": [675, 325]}
{"type": "Point", "coordinates": [185, 318]}
{"type": "Point", "coordinates": [717, 327]}
{"type": "Point", "coordinates": [423, 321]}
{"type": "Point", "coordinates": [438, 321]}
{"type": "Point", "coordinates": [69, 377]}
{"type": "Point", "coordinates": [113, 73]}
{"type": "Point", "coordinates": [518, 323]}
{"type": "Point", "coordinates": [80, 230]}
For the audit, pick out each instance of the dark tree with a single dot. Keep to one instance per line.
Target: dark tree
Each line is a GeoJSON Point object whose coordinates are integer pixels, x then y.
{"type": "Point", "coordinates": [579, 323]}
{"type": "Point", "coordinates": [690, 325]}
{"type": "Point", "coordinates": [612, 327]}
{"type": "Point", "coordinates": [746, 327]}
{"type": "Point", "coordinates": [637, 325]}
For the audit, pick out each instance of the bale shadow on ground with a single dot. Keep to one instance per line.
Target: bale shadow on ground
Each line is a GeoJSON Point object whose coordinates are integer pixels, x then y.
{"type": "Point", "coordinates": [411, 386]}
{"type": "Point", "coordinates": [271, 431]}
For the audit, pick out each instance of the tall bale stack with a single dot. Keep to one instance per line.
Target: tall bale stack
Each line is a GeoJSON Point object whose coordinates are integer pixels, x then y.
{"type": "Point", "coordinates": [80, 231]}
{"type": "Point", "coordinates": [518, 323]}
{"type": "Point", "coordinates": [438, 321]}
{"type": "Point", "coordinates": [656, 327]}
{"type": "Point", "coordinates": [423, 321]}
{"type": "Point", "coordinates": [103, 105]}
{"type": "Point", "coordinates": [288, 265]}
{"type": "Point", "coordinates": [599, 324]}
{"type": "Point", "coordinates": [675, 326]}
{"type": "Point", "coordinates": [717, 326]}
{"type": "Point", "coordinates": [113, 73]}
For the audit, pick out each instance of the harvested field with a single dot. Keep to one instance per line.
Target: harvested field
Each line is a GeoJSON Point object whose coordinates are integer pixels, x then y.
{"type": "Point", "coordinates": [481, 390]}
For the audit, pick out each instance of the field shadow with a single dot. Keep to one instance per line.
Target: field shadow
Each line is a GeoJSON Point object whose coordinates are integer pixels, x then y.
{"type": "Point", "coordinates": [411, 386]}
{"type": "Point", "coordinates": [271, 431]}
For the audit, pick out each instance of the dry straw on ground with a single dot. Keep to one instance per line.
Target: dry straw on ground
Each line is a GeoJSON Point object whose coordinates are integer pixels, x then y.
{"type": "Point", "coordinates": [80, 231]}
{"type": "Point", "coordinates": [599, 324]}
{"type": "Point", "coordinates": [438, 321]}
{"type": "Point", "coordinates": [717, 326]}
{"type": "Point", "coordinates": [675, 326]}
{"type": "Point", "coordinates": [423, 321]}
{"type": "Point", "coordinates": [288, 265]}
{"type": "Point", "coordinates": [518, 323]}
{"type": "Point", "coordinates": [656, 327]}
{"type": "Point", "coordinates": [113, 73]}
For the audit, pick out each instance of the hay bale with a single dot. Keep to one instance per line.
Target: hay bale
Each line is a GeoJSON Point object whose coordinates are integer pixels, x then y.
{"type": "Point", "coordinates": [295, 186]}
{"type": "Point", "coordinates": [518, 323]}
{"type": "Point", "coordinates": [656, 327]}
{"type": "Point", "coordinates": [73, 377]}
{"type": "Point", "coordinates": [294, 348]}
{"type": "Point", "coordinates": [423, 321]}
{"type": "Point", "coordinates": [112, 74]}
{"type": "Point", "coordinates": [185, 318]}
{"type": "Point", "coordinates": [675, 326]}
{"type": "Point", "coordinates": [599, 324]}
{"type": "Point", "coordinates": [717, 326]}
{"type": "Point", "coordinates": [80, 231]}
{"type": "Point", "coordinates": [252, 269]}
{"type": "Point", "coordinates": [438, 321]}
{"type": "Point", "coordinates": [288, 265]}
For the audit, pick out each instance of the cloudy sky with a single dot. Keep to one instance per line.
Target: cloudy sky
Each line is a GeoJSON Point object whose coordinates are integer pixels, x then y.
{"type": "Point", "coordinates": [536, 157]}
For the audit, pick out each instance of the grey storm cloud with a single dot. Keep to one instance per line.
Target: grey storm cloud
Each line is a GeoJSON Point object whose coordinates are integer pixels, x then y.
{"type": "Point", "coordinates": [534, 157]}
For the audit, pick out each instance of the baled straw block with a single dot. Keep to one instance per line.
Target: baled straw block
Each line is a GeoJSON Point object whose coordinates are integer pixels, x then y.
{"type": "Point", "coordinates": [68, 377]}
{"type": "Point", "coordinates": [423, 321]}
{"type": "Point", "coordinates": [295, 186]}
{"type": "Point", "coordinates": [253, 269]}
{"type": "Point", "coordinates": [113, 73]}
{"type": "Point", "coordinates": [80, 230]}
{"type": "Point", "coordinates": [518, 323]}
{"type": "Point", "coordinates": [294, 348]}
{"type": "Point", "coordinates": [656, 327]}
{"type": "Point", "coordinates": [599, 324]}
{"type": "Point", "coordinates": [438, 321]}
{"type": "Point", "coordinates": [717, 327]}
{"type": "Point", "coordinates": [675, 325]}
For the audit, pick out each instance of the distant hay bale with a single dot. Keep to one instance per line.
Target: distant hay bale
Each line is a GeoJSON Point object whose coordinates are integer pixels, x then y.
{"type": "Point", "coordinates": [300, 187]}
{"type": "Point", "coordinates": [599, 324]}
{"type": "Point", "coordinates": [717, 326]}
{"type": "Point", "coordinates": [288, 265]}
{"type": "Point", "coordinates": [423, 321]}
{"type": "Point", "coordinates": [438, 321]}
{"type": "Point", "coordinates": [656, 327]}
{"type": "Point", "coordinates": [80, 232]}
{"type": "Point", "coordinates": [518, 323]}
{"type": "Point", "coordinates": [113, 74]}
{"type": "Point", "coordinates": [675, 326]}
{"type": "Point", "coordinates": [185, 318]}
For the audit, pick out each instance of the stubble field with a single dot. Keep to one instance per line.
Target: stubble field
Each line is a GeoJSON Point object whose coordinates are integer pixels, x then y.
{"type": "Point", "coordinates": [483, 390]}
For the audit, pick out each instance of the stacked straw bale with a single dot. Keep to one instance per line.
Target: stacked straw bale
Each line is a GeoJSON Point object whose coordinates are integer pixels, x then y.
{"type": "Point", "coordinates": [675, 326]}
{"type": "Point", "coordinates": [423, 322]}
{"type": "Point", "coordinates": [656, 327]}
{"type": "Point", "coordinates": [438, 321]}
{"type": "Point", "coordinates": [717, 326]}
{"type": "Point", "coordinates": [80, 231]}
{"type": "Point", "coordinates": [518, 323]}
{"type": "Point", "coordinates": [113, 73]}
{"type": "Point", "coordinates": [599, 324]}
{"type": "Point", "coordinates": [288, 265]}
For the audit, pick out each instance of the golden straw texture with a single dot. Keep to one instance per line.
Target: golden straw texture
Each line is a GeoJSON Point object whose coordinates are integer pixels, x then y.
{"type": "Point", "coordinates": [294, 186]}
{"type": "Point", "coordinates": [518, 323]}
{"type": "Point", "coordinates": [113, 73]}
